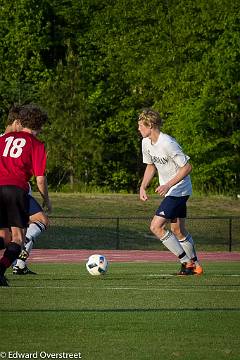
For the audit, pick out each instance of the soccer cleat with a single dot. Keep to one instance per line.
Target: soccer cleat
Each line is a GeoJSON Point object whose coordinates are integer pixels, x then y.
{"type": "Point", "coordinates": [23, 255]}
{"type": "Point", "coordinates": [24, 271]}
{"type": "Point", "coordinates": [198, 270]}
{"type": "Point", "coordinates": [186, 269]}
{"type": "Point", "coordinates": [3, 281]}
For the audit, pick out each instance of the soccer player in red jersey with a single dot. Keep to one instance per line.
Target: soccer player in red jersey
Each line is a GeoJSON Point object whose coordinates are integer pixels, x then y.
{"type": "Point", "coordinates": [38, 219]}
{"type": "Point", "coordinates": [22, 156]}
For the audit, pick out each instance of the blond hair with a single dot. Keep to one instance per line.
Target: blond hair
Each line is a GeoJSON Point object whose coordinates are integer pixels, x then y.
{"type": "Point", "coordinates": [150, 118]}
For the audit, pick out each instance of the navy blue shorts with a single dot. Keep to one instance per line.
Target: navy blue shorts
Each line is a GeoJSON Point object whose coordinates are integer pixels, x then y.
{"type": "Point", "coordinates": [34, 206]}
{"type": "Point", "coordinates": [173, 207]}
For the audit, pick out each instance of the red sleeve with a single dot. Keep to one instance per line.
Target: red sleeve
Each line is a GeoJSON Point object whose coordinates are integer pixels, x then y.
{"type": "Point", "coordinates": [39, 159]}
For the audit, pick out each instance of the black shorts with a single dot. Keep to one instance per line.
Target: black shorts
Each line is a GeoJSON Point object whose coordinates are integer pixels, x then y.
{"type": "Point", "coordinates": [34, 206]}
{"type": "Point", "coordinates": [173, 207]}
{"type": "Point", "coordinates": [14, 207]}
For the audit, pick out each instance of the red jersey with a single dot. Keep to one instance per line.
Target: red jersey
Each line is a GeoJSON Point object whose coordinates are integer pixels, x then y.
{"type": "Point", "coordinates": [22, 155]}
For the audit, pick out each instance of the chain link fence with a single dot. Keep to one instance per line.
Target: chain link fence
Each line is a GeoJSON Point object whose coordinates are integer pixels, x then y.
{"type": "Point", "coordinates": [209, 233]}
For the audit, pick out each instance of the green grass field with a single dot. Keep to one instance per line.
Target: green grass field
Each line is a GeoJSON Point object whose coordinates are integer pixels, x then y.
{"type": "Point", "coordinates": [136, 311]}
{"type": "Point", "coordinates": [78, 204]}
{"type": "Point", "coordinates": [110, 221]}
{"type": "Point", "coordinates": [133, 233]}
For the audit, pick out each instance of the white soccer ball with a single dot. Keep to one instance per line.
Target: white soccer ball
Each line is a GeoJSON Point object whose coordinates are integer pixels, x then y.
{"type": "Point", "coordinates": [97, 264]}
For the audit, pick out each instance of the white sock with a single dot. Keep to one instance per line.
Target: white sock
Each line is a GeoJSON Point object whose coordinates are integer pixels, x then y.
{"type": "Point", "coordinates": [188, 246]}
{"type": "Point", "coordinates": [28, 246]}
{"type": "Point", "coordinates": [34, 230]}
{"type": "Point", "coordinates": [171, 242]}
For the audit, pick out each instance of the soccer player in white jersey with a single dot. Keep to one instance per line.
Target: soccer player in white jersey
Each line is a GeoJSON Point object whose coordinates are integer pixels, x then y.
{"type": "Point", "coordinates": [163, 154]}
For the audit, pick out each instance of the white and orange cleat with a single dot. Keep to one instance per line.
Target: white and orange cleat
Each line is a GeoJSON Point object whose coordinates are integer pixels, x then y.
{"type": "Point", "coordinates": [198, 270]}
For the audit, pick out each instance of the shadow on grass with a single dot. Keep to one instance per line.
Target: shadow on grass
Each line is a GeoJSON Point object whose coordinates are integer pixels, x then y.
{"type": "Point", "coordinates": [131, 233]}
{"type": "Point", "coordinates": [96, 236]}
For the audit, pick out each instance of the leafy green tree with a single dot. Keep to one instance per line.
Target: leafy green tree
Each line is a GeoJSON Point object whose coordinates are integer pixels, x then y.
{"type": "Point", "coordinates": [23, 38]}
{"type": "Point", "coordinates": [72, 146]}
{"type": "Point", "coordinates": [94, 65]}
{"type": "Point", "coordinates": [206, 118]}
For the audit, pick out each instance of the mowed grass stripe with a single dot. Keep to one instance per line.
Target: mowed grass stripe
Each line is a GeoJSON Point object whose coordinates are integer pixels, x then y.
{"type": "Point", "coordinates": [122, 310]}
{"type": "Point", "coordinates": [126, 315]}
{"type": "Point", "coordinates": [189, 289]}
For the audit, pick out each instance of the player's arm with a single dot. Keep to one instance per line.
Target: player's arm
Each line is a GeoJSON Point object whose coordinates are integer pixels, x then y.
{"type": "Point", "coordinates": [39, 157]}
{"type": "Point", "coordinates": [148, 175]}
{"type": "Point", "coordinates": [181, 174]}
{"type": "Point", "coordinates": [43, 190]}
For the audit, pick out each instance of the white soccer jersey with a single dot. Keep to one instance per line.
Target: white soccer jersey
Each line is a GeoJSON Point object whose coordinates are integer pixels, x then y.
{"type": "Point", "coordinates": [167, 156]}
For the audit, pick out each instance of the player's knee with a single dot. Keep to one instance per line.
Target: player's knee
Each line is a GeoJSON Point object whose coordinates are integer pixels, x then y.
{"type": "Point", "coordinates": [44, 220]}
{"type": "Point", "coordinates": [152, 228]}
{"type": "Point", "coordinates": [40, 218]}
{"type": "Point", "coordinates": [176, 232]}
{"type": "Point", "coordinates": [156, 229]}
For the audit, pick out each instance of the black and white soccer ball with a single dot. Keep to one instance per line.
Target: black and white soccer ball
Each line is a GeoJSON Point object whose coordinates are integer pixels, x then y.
{"type": "Point", "coordinates": [97, 265]}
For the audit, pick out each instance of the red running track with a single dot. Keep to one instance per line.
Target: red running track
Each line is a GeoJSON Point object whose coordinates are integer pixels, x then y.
{"type": "Point", "coordinates": [69, 256]}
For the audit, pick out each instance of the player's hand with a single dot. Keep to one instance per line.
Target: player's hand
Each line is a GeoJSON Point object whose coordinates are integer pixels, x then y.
{"type": "Point", "coordinates": [162, 189]}
{"type": "Point", "coordinates": [143, 195]}
{"type": "Point", "coordinates": [47, 206]}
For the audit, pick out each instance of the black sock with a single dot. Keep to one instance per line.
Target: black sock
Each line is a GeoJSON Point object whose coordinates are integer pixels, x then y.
{"type": "Point", "coordinates": [2, 245]}
{"type": "Point", "coordinates": [10, 254]}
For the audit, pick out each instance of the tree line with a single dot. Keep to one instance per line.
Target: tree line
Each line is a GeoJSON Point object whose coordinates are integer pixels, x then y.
{"type": "Point", "coordinates": [93, 65]}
